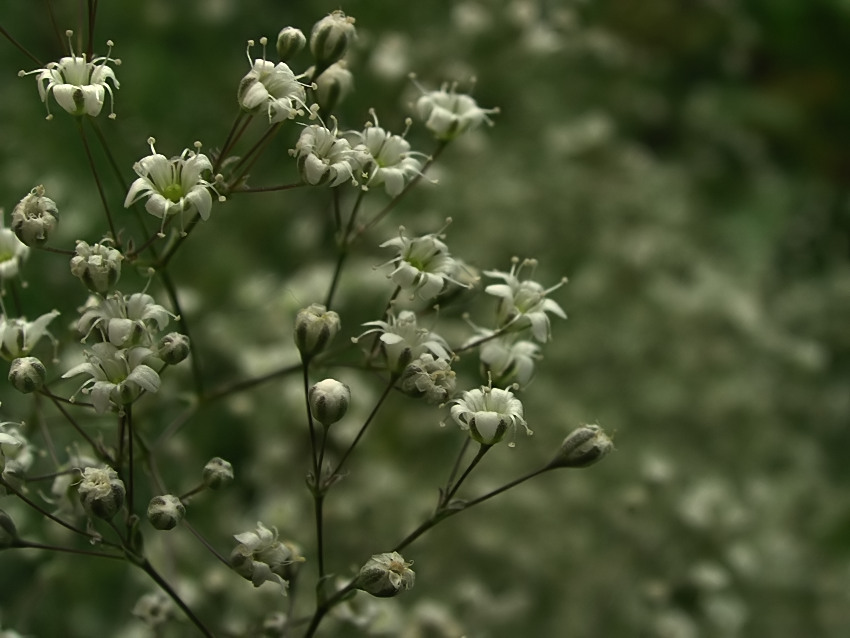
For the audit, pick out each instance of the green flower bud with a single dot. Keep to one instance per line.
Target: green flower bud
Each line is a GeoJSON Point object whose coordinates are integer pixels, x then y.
{"type": "Point", "coordinates": [331, 37]}
{"type": "Point", "coordinates": [173, 348]}
{"type": "Point", "coordinates": [101, 492]}
{"type": "Point", "coordinates": [217, 472]}
{"type": "Point", "coordinates": [386, 575]}
{"type": "Point", "coordinates": [164, 512]}
{"type": "Point", "coordinates": [27, 374]}
{"type": "Point", "coordinates": [35, 217]}
{"type": "Point", "coordinates": [290, 41]}
{"type": "Point", "coordinates": [583, 447]}
{"type": "Point", "coordinates": [329, 401]}
{"type": "Point", "coordinates": [315, 328]}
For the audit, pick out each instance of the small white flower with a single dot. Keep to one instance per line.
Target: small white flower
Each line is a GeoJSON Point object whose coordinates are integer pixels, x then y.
{"type": "Point", "coordinates": [78, 85]}
{"type": "Point", "coordinates": [524, 303]}
{"type": "Point", "coordinates": [172, 186]}
{"type": "Point", "coordinates": [507, 360]}
{"type": "Point", "coordinates": [331, 36]}
{"type": "Point", "coordinates": [448, 114]}
{"type": "Point", "coordinates": [488, 414]}
{"type": "Point", "coordinates": [35, 217]}
{"type": "Point", "coordinates": [12, 252]}
{"type": "Point", "coordinates": [402, 340]}
{"type": "Point", "coordinates": [429, 377]}
{"type": "Point", "coordinates": [123, 320]}
{"type": "Point", "coordinates": [117, 376]}
{"type": "Point", "coordinates": [98, 265]}
{"type": "Point", "coordinates": [386, 575]}
{"type": "Point", "coordinates": [423, 264]}
{"type": "Point", "coordinates": [16, 454]}
{"type": "Point", "coordinates": [272, 88]}
{"type": "Point", "coordinates": [101, 492]}
{"type": "Point", "coordinates": [324, 158]}
{"type": "Point", "coordinates": [261, 557]}
{"type": "Point", "coordinates": [18, 336]}
{"type": "Point", "coordinates": [391, 162]}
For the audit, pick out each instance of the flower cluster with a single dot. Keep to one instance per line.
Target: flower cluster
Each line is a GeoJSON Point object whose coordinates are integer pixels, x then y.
{"type": "Point", "coordinates": [402, 340]}
{"type": "Point", "coordinates": [261, 557]}
{"type": "Point", "coordinates": [423, 264]}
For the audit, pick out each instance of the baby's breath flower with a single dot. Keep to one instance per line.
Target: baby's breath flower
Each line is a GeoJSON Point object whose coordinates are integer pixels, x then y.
{"type": "Point", "coordinates": [123, 320]}
{"type": "Point", "coordinates": [386, 575]}
{"type": "Point", "coordinates": [117, 376]}
{"type": "Point", "coordinates": [329, 400]}
{"type": "Point", "coordinates": [390, 160]}
{"type": "Point", "coordinates": [172, 186]}
{"type": "Point", "coordinates": [402, 340]}
{"type": "Point", "coordinates": [508, 360]}
{"type": "Point", "coordinates": [217, 473]}
{"type": "Point", "coordinates": [12, 252]}
{"type": "Point", "coordinates": [583, 446]}
{"type": "Point", "coordinates": [26, 374]}
{"type": "Point", "coordinates": [324, 158]}
{"type": "Point", "coordinates": [165, 511]}
{"type": "Point", "coordinates": [261, 557]}
{"type": "Point", "coordinates": [18, 336]}
{"type": "Point", "coordinates": [488, 414]}
{"type": "Point", "coordinates": [271, 88]}
{"type": "Point", "coordinates": [331, 37]}
{"type": "Point", "coordinates": [289, 43]}
{"type": "Point", "coordinates": [333, 86]}
{"type": "Point", "coordinates": [16, 454]}
{"type": "Point", "coordinates": [98, 266]}
{"type": "Point", "coordinates": [78, 85]}
{"type": "Point", "coordinates": [35, 217]}
{"type": "Point", "coordinates": [524, 303]}
{"type": "Point", "coordinates": [423, 264]}
{"type": "Point", "coordinates": [315, 328]}
{"type": "Point", "coordinates": [448, 114]}
{"type": "Point", "coordinates": [101, 492]}
{"type": "Point", "coordinates": [428, 377]}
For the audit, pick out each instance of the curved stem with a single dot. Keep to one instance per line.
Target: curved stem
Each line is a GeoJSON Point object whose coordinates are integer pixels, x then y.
{"type": "Point", "coordinates": [146, 566]}
{"type": "Point", "coordinates": [482, 450]}
{"type": "Point", "coordinates": [98, 184]}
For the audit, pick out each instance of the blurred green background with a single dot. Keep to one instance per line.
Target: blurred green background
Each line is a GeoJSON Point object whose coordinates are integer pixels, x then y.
{"type": "Point", "coordinates": [683, 163]}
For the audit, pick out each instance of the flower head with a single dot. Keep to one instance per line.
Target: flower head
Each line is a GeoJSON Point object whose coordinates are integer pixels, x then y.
{"type": "Point", "coordinates": [324, 158]}
{"type": "Point", "coordinates": [117, 376]}
{"type": "Point", "coordinates": [390, 160]}
{"type": "Point", "coordinates": [524, 303]}
{"type": "Point", "coordinates": [101, 492]}
{"type": "Point", "coordinates": [448, 114]}
{"type": "Point", "coordinates": [35, 217]}
{"type": "Point", "coordinates": [386, 575]}
{"type": "Point", "coordinates": [98, 265]}
{"type": "Point", "coordinates": [428, 377]}
{"type": "Point", "coordinates": [330, 38]}
{"type": "Point", "coordinates": [315, 328]}
{"type": "Point", "coordinates": [78, 85]}
{"type": "Point", "coordinates": [488, 414]}
{"type": "Point", "coordinates": [423, 264]}
{"type": "Point", "coordinates": [12, 252]}
{"type": "Point", "coordinates": [402, 340]}
{"type": "Point", "coordinates": [123, 320]}
{"type": "Point", "coordinates": [18, 336]}
{"type": "Point", "coordinates": [172, 186]}
{"type": "Point", "coordinates": [271, 88]}
{"type": "Point", "coordinates": [506, 359]}
{"type": "Point", "coordinates": [261, 557]}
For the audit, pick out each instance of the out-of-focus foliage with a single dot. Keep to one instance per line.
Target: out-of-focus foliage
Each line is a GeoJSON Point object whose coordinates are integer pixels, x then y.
{"type": "Point", "coordinates": [685, 164]}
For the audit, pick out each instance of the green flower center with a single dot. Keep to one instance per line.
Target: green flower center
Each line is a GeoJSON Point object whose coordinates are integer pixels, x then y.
{"type": "Point", "coordinates": [173, 192]}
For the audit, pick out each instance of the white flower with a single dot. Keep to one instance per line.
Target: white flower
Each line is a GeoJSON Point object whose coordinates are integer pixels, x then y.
{"type": "Point", "coordinates": [78, 85]}
{"type": "Point", "coordinates": [98, 266]}
{"type": "Point", "coordinates": [448, 114]}
{"type": "Point", "coordinates": [324, 158]}
{"type": "Point", "coordinates": [18, 336]}
{"type": "Point", "coordinates": [509, 361]}
{"type": "Point", "coordinates": [101, 492]}
{"type": "Point", "coordinates": [330, 37]}
{"type": "Point", "coordinates": [173, 185]}
{"type": "Point", "coordinates": [12, 252]}
{"type": "Point", "coordinates": [391, 162]}
{"type": "Point", "coordinates": [16, 454]}
{"type": "Point", "coordinates": [402, 340]}
{"type": "Point", "coordinates": [524, 303]}
{"type": "Point", "coordinates": [117, 376]}
{"type": "Point", "coordinates": [429, 377]}
{"type": "Point", "coordinates": [272, 88]}
{"type": "Point", "coordinates": [261, 557]}
{"type": "Point", "coordinates": [488, 414]}
{"type": "Point", "coordinates": [386, 575]}
{"type": "Point", "coordinates": [123, 320]}
{"type": "Point", "coordinates": [35, 217]}
{"type": "Point", "coordinates": [423, 264]}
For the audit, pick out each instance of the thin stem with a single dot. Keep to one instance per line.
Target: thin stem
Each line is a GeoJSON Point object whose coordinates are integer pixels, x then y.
{"type": "Point", "coordinates": [128, 419]}
{"type": "Point", "coordinates": [230, 141]}
{"type": "Point", "coordinates": [343, 248]}
{"type": "Point", "coordinates": [146, 566]}
{"type": "Point", "coordinates": [326, 606]}
{"type": "Point", "coordinates": [482, 450]}
{"type": "Point", "coordinates": [205, 543]}
{"type": "Point", "coordinates": [268, 189]}
{"type": "Point", "coordinates": [318, 502]}
{"type": "Point", "coordinates": [96, 447]}
{"type": "Point", "coordinates": [310, 424]}
{"type": "Point", "coordinates": [456, 467]}
{"type": "Point", "coordinates": [24, 544]}
{"type": "Point", "coordinates": [99, 184]}
{"type": "Point", "coordinates": [253, 154]}
{"type": "Point", "coordinates": [20, 47]}
{"type": "Point", "coordinates": [194, 360]}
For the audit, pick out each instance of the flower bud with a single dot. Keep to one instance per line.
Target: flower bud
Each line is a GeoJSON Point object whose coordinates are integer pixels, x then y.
{"type": "Point", "coordinates": [583, 447]}
{"type": "Point", "coordinates": [98, 266]}
{"type": "Point", "coordinates": [8, 531]}
{"type": "Point", "coordinates": [27, 374]}
{"type": "Point", "coordinates": [101, 492]}
{"type": "Point", "coordinates": [164, 512]}
{"type": "Point", "coordinates": [173, 348]}
{"type": "Point", "coordinates": [329, 401]}
{"type": "Point", "coordinates": [430, 378]}
{"type": "Point", "coordinates": [315, 328]}
{"type": "Point", "coordinates": [386, 575]}
{"type": "Point", "coordinates": [35, 217]}
{"type": "Point", "coordinates": [217, 473]}
{"type": "Point", "coordinates": [331, 37]}
{"type": "Point", "coordinates": [290, 41]}
{"type": "Point", "coordinates": [333, 86]}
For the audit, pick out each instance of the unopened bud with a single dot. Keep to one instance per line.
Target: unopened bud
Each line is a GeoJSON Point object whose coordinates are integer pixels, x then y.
{"type": "Point", "coordinates": [27, 374]}
{"type": "Point", "coordinates": [331, 37]}
{"type": "Point", "coordinates": [164, 512]}
{"type": "Point", "coordinates": [101, 492]}
{"type": "Point", "coordinates": [329, 400]}
{"type": "Point", "coordinates": [217, 472]}
{"type": "Point", "coordinates": [173, 348]}
{"type": "Point", "coordinates": [333, 86]}
{"type": "Point", "coordinates": [583, 446]}
{"type": "Point", "coordinates": [35, 217]}
{"type": "Point", "coordinates": [386, 575]}
{"type": "Point", "coordinates": [315, 328]}
{"type": "Point", "coordinates": [290, 41]}
{"type": "Point", "coordinates": [98, 266]}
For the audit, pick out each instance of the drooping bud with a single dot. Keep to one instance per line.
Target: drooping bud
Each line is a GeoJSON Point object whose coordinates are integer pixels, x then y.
{"type": "Point", "coordinates": [331, 37]}
{"type": "Point", "coordinates": [101, 492]}
{"type": "Point", "coordinates": [35, 217]}
{"type": "Point", "coordinates": [583, 447]}
{"type": "Point", "coordinates": [27, 374]}
{"type": "Point", "coordinates": [290, 41]}
{"type": "Point", "coordinates": [98, 266]}
{"type": "Point", "coordinates": [386, 575]}
{"type": "Point", "coordinates": [164, 512]}
{"type": "Point", "coordinates": [315, 328]}
{"type": "Point", "coordinates": [173, 348]}
{"type": "Point", "coordinates": [217, 473]}
{"type": "Point", "coordinates": [329, 400]}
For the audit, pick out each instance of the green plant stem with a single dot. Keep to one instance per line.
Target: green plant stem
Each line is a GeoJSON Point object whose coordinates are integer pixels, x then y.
{"type": "Point", "coordinates": [24, 544]}
{"type": "Point", "coordinates": [345, 244]}
{"type": "Point", "coordinates": [194, 359]}
{"type": "Point", "coordinates": [231, 140]}
{"type": "Point", "coordinates": [318, 502]}
{"type": "Point", "coordinates": [325, 607]}
{"type": "Point", "coordinates": [146, 566]}
{"type": "Point", "coordinates": [97, 181]}
{"type": "Point", "coordinates": [310, 424]}
{"type": "Point", "coordinates": [128, 420]}
{"type": "Point", "coordinates": [482, 450]}
{"type": "Point", "coordinates": [205, 543]}
{"type": "Point", "coordinates": [96, 447]}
